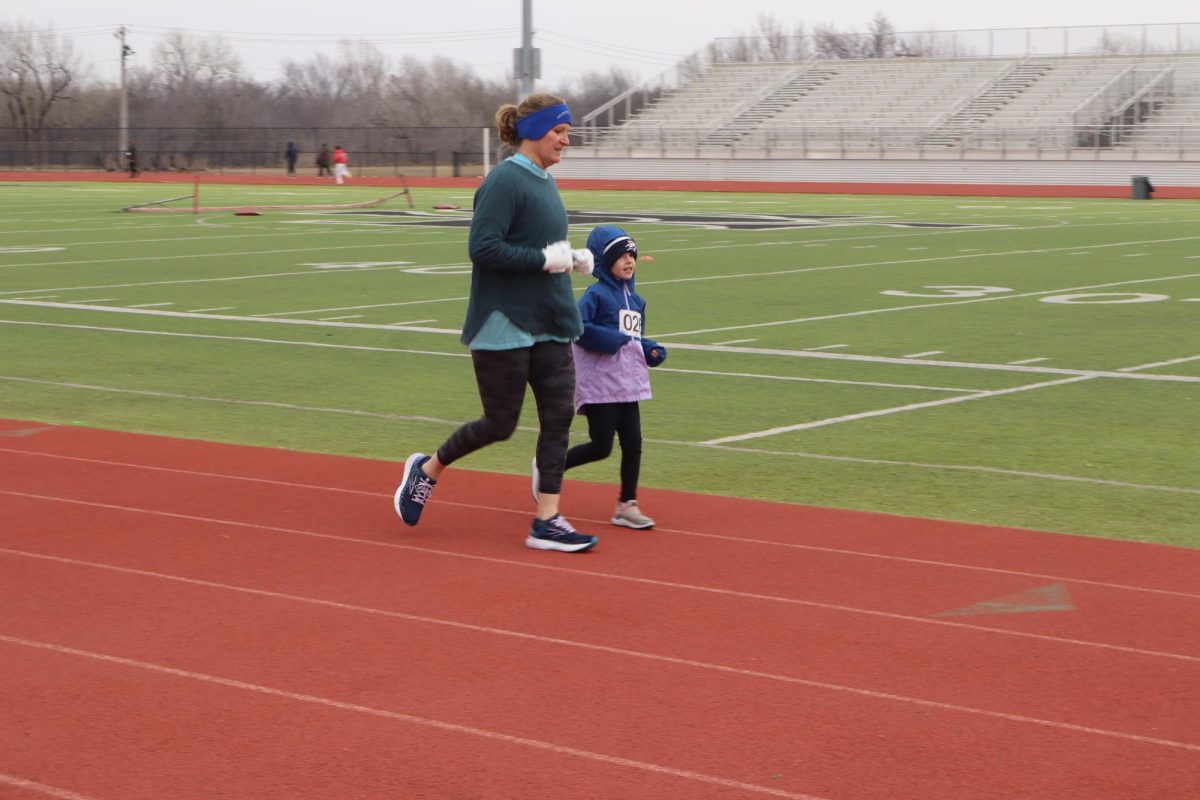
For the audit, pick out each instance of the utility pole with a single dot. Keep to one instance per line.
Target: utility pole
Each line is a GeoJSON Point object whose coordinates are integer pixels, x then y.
{"type": "Point", "coordinates": [123, 103]}
{"type": "Point", "coordinates": [527, 57]}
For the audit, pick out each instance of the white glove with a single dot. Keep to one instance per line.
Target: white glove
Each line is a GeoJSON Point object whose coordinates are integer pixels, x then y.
{"type": "Point", "coordinates": [558, 256]}
{"type": "Point", "coordinates": [582, 261]}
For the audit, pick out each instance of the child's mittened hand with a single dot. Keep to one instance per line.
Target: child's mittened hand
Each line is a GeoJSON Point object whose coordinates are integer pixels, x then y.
{"type": "Point", "coordinates": [582, 261]}
{"type": "Point", "coordinates": [558, 256]}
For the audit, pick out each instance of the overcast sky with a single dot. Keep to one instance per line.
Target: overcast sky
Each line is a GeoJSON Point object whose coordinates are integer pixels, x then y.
{"type": "Point", "coordinates": [645, 37]}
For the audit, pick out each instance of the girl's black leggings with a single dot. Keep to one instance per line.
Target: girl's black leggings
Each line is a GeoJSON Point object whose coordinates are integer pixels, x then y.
{"type": "Point", "coordinates": [605, 420]}
{"type": "Point", "coordinates": [501, 375]}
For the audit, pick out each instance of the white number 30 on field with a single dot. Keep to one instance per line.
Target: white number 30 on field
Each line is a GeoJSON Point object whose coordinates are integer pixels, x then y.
{"type": "Point", "coordinates": [950, 291]}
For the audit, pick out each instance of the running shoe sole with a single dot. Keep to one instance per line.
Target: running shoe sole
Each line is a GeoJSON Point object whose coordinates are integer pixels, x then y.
{"type": "Point", "coordinates": [550, 544]}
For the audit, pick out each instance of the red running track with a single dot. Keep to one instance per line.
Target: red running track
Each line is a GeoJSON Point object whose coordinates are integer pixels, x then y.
{"type": "Point", "coordinates": [198, 621]}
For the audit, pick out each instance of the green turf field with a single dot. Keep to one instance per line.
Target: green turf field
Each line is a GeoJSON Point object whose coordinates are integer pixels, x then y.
{"type": "Point", "coordinates": [1021, 362]}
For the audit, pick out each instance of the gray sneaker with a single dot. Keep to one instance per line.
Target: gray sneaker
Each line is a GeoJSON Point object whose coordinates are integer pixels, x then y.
{"type": "Point", "coordinates": [629, 515]}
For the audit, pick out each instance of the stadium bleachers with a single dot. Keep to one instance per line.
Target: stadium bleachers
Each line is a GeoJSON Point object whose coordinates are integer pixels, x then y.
{"type": "Point", "coordinates": [1149, 101]}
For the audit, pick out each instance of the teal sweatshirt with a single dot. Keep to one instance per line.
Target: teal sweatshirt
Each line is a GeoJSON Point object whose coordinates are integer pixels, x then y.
{"type": "Point", "coordinates": [517, 213]}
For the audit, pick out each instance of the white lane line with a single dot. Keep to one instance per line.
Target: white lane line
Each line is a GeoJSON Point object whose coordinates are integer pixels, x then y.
{"type": "Point", "coordinates": [411, 719]}
{"type": "Point", "coordinates": [736, 341]}
{"type": "Point", "coordinates": [881, 412]}
{"type": "Point", "coordinates": [638, 654]}
{"type": "Point", "coordinates": [150, 305]}
{"type": "Point", "coordinates": [738, 539]}
{"type": "Point", "coordinates": [926, 354]}
{"type": "Point", "coordinates": [825, 347]}
{"type": "Point", "coordinates": [1029, 361]}
{"type": "Point", "coordinates": [40, 788]}
{"type": "Point", "coordinates": [335, 319]}
{"type": "Point", "coordinates": [203, 310]}
{"type": "Point", "coordinates": [688, 587]}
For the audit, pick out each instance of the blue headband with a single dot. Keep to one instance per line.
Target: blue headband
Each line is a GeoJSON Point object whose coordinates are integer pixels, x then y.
{"type": "Point", "coordinates": [539, 123]}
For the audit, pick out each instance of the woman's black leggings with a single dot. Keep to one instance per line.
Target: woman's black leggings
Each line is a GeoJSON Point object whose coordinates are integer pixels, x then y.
{"type": "Point", "coordinates": [604, 420]}
{"type": "Point", "coordinates": [501, 375]}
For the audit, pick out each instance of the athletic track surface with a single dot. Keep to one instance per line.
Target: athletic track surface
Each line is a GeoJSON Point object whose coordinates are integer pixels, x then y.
{"type": "Point", "coordinates": [201, 621]}
{"type": "Point", "coordinates": [809, 187]}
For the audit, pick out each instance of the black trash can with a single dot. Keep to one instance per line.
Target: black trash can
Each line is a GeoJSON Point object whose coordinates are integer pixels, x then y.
{"type": "Point", "coordinates": [1142, 188]}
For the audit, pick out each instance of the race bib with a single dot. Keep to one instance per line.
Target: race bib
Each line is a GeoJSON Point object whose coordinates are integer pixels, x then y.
{"type": "Point", "coordinates": [631, 323]}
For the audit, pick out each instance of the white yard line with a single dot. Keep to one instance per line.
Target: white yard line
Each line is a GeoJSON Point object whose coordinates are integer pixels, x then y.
{"type": "Point", "coordinates": [886, 411]}
{"type": "Point", "coordinates": [933, 403]}
{"type": "Point", "coordinates": [226, 317]}
{"type": "Point", "coordinates": [917, 306]}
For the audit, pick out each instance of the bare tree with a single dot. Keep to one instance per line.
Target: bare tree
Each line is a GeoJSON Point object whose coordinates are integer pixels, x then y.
{"type": "Point", "coordinates": [594, 89]}
{"type": "Point", "coordinates": [777, 44]}
{"type": "Point", "coordinates": [37, 67]}
{"type": "Point", "coordinates": [881, 41]}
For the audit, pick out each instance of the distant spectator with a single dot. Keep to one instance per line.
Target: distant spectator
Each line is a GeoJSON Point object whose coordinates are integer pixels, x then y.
{"type": "Point", "coordinates": [341, 165]}
{"type": "Point", "coordinates": [323, 160]}
{"type": "Point", "coordinates": [290, 154]}
{"type": "Point", "coordinates": [131, 158]}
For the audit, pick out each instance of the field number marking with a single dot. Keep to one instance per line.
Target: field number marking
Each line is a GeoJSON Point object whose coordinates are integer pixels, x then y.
{"type": "Point", "coordinates": [950, 291]}
{"type": "Point", "coordinates": [1096, 298]}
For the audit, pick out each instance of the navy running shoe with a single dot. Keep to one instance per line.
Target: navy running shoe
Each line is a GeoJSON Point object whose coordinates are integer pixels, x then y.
{"type": "Point", "coordinates": [413, 493]}
{"type": "Point", "coordinates": [557, 534]}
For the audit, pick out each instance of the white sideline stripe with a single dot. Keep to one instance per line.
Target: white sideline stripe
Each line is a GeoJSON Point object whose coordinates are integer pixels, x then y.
{"type": "Point", "coordinates": [820, 423]}
{"type": "Point", "coordinates": [672, 442]}
{"type": "Point", "coordinates": [261, 403]}
{"type": "Point", "coordinates": [725, 537]}
{"type": "Point", "coordinates": [787, 679]}
{"type": "Point", "coordinates": [918, 306]}
{"type": "Point", "coordinates": [226, 317]}
{"type": "Point", "coordinates": [410, 719]}
{"type": "Point", "coordinates": [333, 346]}
{"type": "Point", "coordinates": [41, 788]}
{"type": "Point", "coordinates": [689, 587]}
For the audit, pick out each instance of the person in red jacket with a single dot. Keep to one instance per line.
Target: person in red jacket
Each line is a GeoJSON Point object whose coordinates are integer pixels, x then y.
{"type": "Point", "coordinates": [340, 168]}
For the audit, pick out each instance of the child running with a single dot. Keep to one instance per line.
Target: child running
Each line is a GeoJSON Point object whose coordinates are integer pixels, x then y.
{"type": "Point", "coordinates": [611, 360]}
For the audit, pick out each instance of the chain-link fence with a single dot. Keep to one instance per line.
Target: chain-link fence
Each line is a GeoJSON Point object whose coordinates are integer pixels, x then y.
{"type": "Point", "coordinates": [371, 151]}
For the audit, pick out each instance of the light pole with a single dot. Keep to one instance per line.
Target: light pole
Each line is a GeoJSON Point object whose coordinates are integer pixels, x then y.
{"type": "Point", "coordinates": [527, 58]}
{"type": "Point", "coordinates": [123, 102]}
